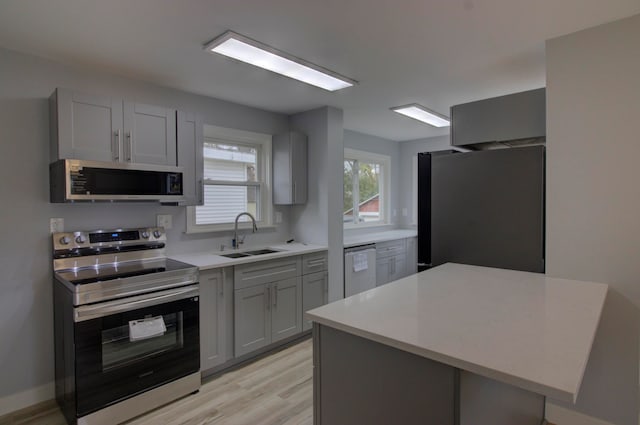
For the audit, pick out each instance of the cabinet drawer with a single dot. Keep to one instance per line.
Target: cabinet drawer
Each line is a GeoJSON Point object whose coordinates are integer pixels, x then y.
{"type": "Point", "coordinates": [390, 248]}
{"type": "Point", "coordinates": [315, 262]}
{"type": "Point", "coordinates": [261, 272]}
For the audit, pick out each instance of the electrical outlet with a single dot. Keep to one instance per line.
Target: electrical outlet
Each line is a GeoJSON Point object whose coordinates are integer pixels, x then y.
{"type": "Point", "coordinates": [164, 220]}
{"type": "Point", "coordinates": [56, 225]}
{"type": "Point", "coordinates": [278, 217]}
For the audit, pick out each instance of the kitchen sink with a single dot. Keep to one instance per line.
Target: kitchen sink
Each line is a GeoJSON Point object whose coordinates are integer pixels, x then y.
{"type": "Point", "coordinates": [235, 255]}
{"type": "Point", "coordinates": [250, 253]}
{"type": "Point", "coordinates": [262, 251]}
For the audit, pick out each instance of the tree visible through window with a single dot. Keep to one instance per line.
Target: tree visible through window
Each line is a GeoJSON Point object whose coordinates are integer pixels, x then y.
{"type": "Point", "coordinates": [363, 179]}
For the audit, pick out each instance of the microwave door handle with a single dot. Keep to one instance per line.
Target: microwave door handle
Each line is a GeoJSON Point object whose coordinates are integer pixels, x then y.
{"type": "Point", "coordinates": [92, 312]}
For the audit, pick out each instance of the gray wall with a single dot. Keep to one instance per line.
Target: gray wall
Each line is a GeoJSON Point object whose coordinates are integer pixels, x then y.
{"type": "Point", "coordinates": [320, 219]}
{"type": "Point", "coordinates": [26, 351]}
{"type": "Point", "coordinates": [593, 198]}
{"type": "Point", "coordinates": [407, 156]}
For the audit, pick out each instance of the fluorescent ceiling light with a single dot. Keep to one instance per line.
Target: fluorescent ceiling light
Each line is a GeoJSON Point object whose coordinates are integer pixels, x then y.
{"type": "Point", "coordinates": [244, 49]}
{"type": "Point", "coordinates": [420, 113]}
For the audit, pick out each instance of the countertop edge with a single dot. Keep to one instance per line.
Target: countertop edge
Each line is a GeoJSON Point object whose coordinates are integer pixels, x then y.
{"type": "Point", "coordinates": [384, 236]}
{"type": "Point", "coordinates": [192, 258]}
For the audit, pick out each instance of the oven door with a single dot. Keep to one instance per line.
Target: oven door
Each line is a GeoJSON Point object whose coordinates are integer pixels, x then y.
{"type": "Point", "coordinates": [128, 346]}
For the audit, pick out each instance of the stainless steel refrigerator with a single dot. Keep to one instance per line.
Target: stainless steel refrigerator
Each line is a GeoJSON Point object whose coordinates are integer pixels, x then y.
{"type": "Point", "coordinates": [483, 208]}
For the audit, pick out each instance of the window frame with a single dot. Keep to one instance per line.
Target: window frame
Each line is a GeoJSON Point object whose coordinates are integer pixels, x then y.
{"type": "Point", "coordinates": [233, 136]}
{"type": "Point", "coordinates": [384, 185]}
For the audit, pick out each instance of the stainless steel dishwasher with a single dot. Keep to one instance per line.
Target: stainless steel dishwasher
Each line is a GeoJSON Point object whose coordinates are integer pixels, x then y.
{"type": "Point", "coordinates": [359, 269]}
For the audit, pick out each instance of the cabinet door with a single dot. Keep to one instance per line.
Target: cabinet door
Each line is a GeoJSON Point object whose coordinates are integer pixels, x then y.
{"type": "Point", "coordinates": [397, 267]}
{"type": "Point", "coordinates": [412, 256]}
{"type": "Point", "coordinates": [88, 127]}
{"type": "Point", "coordinates": [212, 319]}
{"type": "Point", "coordinates": [511, 117]}
{"type": "Point", "coordinates": [299, 167]}
{"type": "Point", "coordinates": [252, 318]}
{"type": "Point", "coordinates": [314, 294]}
{"type": "Point", "coordinates": [149, 134]}
{"type": "Point", "coordinates": [190, 156]}
{"type": "Point", "coordinates": [382, 271]}
{"type": "Point", "coordinates": [286, 311]}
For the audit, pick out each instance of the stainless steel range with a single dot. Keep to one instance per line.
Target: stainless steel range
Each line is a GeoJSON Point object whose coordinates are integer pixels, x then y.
{"type": "Point", "coordinates": [126, 324]}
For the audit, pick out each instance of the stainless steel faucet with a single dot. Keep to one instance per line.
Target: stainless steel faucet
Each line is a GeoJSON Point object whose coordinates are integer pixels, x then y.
{"type": "Point", "coordinates": [236, 243]}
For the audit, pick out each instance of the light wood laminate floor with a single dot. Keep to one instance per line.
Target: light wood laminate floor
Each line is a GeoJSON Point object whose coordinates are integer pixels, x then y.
{"type": "Point", "coordinates": [276, 389]}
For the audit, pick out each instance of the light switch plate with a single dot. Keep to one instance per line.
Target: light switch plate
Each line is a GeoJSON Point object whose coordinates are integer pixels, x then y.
{"type": "Point", "coordinates": [56, 225]}
{"type": "Point", "coordinates": [278, 217]}
{"type": "Point", "coordinates": [164, 220]}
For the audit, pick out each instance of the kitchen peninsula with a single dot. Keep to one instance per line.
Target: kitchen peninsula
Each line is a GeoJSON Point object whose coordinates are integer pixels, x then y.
{"type": "Point", "coordinates": [456, 344]}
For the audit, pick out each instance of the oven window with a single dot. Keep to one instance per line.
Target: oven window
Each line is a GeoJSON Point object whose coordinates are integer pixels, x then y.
{"type": "Point", "coordinates": [120, 349]}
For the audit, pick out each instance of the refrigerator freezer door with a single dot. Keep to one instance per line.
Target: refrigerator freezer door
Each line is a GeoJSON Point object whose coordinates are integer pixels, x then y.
{"type": "Point", "coordinates": [487, 208]}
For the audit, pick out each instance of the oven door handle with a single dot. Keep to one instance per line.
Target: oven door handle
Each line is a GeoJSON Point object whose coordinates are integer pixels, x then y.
{"type": "Point", "coordinates": [131, 303]}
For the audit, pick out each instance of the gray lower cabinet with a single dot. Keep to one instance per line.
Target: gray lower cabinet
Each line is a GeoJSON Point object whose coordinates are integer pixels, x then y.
{"type": "Point", "coordinates": [412, 256]}
{"type": "Point", "coordinates": [252, 318]}
{"type": "Point", "coordinates": [390, 261]}
{"type": "Point", "coordinates": [314, 293]}
{"type": "Point", "coordinates": [267, 313]}
{"type": "Point", "coordinates": [213, 329]}
{"type": "Point", "coordinates": [286, 310]}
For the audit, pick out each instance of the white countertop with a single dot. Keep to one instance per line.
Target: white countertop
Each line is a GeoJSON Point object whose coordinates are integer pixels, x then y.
{"type": "Point", "coordinates": [213, 259]}
{"type": "Point", "coordinates": [387, 235]}
{"type": "Point", "coordinates": [524, 329]}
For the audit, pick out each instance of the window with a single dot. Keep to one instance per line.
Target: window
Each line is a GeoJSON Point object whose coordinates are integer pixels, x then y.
{"type": "Point", "coordinates": [366, 183]}
{"type": "Point", "coordinates": [236, 179]}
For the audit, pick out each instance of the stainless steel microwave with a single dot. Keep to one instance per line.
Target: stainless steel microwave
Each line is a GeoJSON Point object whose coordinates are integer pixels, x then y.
{"type": "Point", "coordinates": [74, 180]}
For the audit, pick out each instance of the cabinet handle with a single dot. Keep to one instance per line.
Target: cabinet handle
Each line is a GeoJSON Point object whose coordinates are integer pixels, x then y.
{"type": "Point", "coordinates": [224, 279]}
{"type": "Point", "coordinates": [200, 193]}
{"type": "Point", "coordinates": [116, 154]}
{"type": "Point", "coordinates": [129, 143]}
{"type": "Point", "coordinates": [314, 263]}
{"type": "Point", "coordinates": [275, 295]}
{"type": "Point", "coordinates": [293, 197]}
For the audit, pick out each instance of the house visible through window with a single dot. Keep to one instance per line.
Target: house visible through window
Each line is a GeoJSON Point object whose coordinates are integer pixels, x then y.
{"type": "Point", "coordinates": [365, 188]}
{"type": "Point", "coordinates": [236, 170]}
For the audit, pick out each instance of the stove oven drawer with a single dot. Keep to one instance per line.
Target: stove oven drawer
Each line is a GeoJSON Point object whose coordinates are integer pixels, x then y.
{"type": "Point", "coordinates": [129, 346]}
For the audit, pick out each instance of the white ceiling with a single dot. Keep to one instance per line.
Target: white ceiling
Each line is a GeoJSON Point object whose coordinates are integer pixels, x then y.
{"type": "Point", "coordinates": [434, 52]}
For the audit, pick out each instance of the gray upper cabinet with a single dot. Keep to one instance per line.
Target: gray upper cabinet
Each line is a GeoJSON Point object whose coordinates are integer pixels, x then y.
{"type": "Point", "coordinates": [149, 134]}
{"type": "Point", "coordinates": [101, 128]}
{"type": "Point", "coordinates": [290, 169]}
{"type": "Point", "coordinates": [85, 126]}
{"type": "Point", "coordinates": [190, 156]}
{"type": "Point", "coordinates": [512, 117]}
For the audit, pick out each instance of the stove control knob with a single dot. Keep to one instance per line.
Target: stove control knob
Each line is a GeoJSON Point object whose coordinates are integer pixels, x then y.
{"type": "Point", "coordinates": [157, 233]}
{"type": "Point", "coordinates": [65, 240]}
{"type": "Point", "coordinates": [144, 234]}
{"type": "Point", "coordinates": [80, 239]}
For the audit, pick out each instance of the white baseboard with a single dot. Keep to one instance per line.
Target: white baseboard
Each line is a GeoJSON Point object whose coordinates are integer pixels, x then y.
{"type": "Point", "coordinates": [27, 398]}
{"type": "Point", "coordinates": [563, 416]}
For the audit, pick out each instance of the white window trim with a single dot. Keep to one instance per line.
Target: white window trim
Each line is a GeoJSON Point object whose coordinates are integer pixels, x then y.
{"type": "Point", "coordinates": [266, 197]}
{"type": "Point", "coordinates": [385, 184]}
